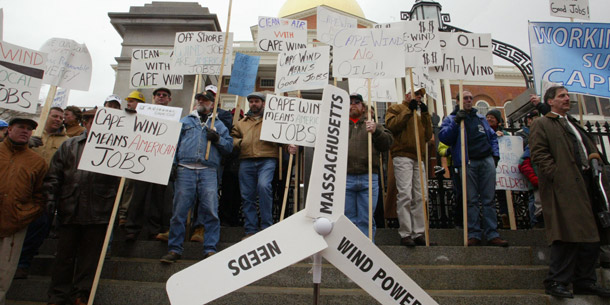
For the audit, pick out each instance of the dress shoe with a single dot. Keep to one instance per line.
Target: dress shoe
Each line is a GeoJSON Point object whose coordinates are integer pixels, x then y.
{"type": "Point", "coordinates": [170, 257]}
{"type": "Point", "coordinates": [558, 290]}
{"type": "Point", "coordinates": [421, 241]}
{"type": "Point", "coordinates": [408, 241]}
{"type": "Point", "coordinates": [472, 242]}
{"type": "Point", "coordinates": [498, 242]}
{"type": "Point", "coordinates": [592, 289]}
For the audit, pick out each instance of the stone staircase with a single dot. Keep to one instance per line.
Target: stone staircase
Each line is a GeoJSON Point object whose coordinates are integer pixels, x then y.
{"type": "Point", "coordinates": [450, 273]}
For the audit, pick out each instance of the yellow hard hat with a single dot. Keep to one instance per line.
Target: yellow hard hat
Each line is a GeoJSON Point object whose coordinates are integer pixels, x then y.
{"type": "Point", "coordinates": [137, 95]}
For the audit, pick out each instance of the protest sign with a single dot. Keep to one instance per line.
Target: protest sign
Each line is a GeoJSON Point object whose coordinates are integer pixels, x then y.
{"type": "Point", "coordinates": [129, 145]}
{"type": "Point", "coordinates": [369, 53]}
{"type": "Point", "coordinates": [329, 23]}
{"type": "Point", "coordinates": [68, 64]}
{"type": "Point", "coordinates": [21, 74]}
{"type": "Point", "coordinates": [290, 120]}
{"type": "Point", "coordinates": [160, 111]}
{"type": "Point", "coordinates": [575, 55]}
{"type": "Point", "coordinates": [422, 79]}
{"type": "Point", "coordinates": [577, 9]}
{"type": "Point", "coordinates": [281, 35]}
{"type": "Point", "coordinates": [422, 47]}
{"type": "Point", "coordinates": [466, 56]}
{"type": "Point", "coordinates": [151, 68]}
{"type": "Point", "coordinates": [201, 53]}
{"type": "Point", "coordinates": [382, 89]}
{"type": "Point", "coordinates": [243, 76]}
{"type": "Point", "coordinates": [302, 69]}
{"type": "Point", "coordinates": [508, 176]}
{"type": "Point", "coordinates": [61, 98]}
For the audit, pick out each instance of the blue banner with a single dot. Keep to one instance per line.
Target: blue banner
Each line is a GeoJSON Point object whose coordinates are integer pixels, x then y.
{"type": "Point", "coordinates": [576, 55]}
{"type": "Point", "coordinates": [243, 75]}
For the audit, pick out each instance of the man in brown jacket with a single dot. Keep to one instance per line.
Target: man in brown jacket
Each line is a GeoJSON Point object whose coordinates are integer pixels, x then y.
{"type": "Point", "coordinates": [21, 201]}
{"type": "Point", "coordinates": [561, 149]}
{"type": "Point", "coordinates": [52, 135]}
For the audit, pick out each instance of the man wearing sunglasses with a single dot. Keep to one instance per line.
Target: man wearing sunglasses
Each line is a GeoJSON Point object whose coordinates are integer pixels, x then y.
{"type": "Point", "coordinates": [162, 96]}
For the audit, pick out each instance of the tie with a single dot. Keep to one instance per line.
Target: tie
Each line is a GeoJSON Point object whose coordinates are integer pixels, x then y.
{"type": "Point", "coordinates": [581, 154]}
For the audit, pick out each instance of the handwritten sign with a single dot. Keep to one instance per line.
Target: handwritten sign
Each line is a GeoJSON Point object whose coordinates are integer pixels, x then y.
{"type": "Point", "coordinates": [508, 176]}
{"type": "Point", "coordinates": [422, 79]}
{"type": "Point", "coordinates": [61, 98]}
{"type": "Point", "coordinates": [151, 68]}
{"type": "Point", "coordinates": [21, 73]}
{"type": "Point", "coordinates": [382, 89]}
{"type": "Point", "coordinates": [160, 111]}
{"type": "Point", "coordinates": [329, 23]}
{"type": "Point", "coordinates": [302, 69]}
{"type": "Point", "coordinates": [422, 46]}
{"type": "Point", "coordinates": [68, 64]}
{"type": "Point", "coordinates": [369, 53]}
{"type": "Point", "coordinates": [280, 34]}
{"type": "Point", "coordinates": [243, 77]}
{"type": "Point", "coordinates": [577, 9]}
{"type": "Point", "coordinates": [290, 120]}
{"type": "Point", "coordinates": [128, 145]}
{"type": "Point", "coordinates": [201, 53]}
{"type": "Point", "coordinates": [467, 56]}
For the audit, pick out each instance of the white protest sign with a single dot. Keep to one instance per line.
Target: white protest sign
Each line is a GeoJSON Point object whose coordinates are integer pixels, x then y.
{"type": "Point", "coordinates": [160, 111]}
{"type": "Point", "coordinates": [129, 145]}
{"type": "Point", "coordinates": [61, 98]}
{"type": "Point", "coordinates": [201, 53]}
{"type": "Point", "coordinates": [382, 89]}
{"type": "Point", "coordinates": [423, 46]}
{"type": "Point", "coordinates": [280, 34]}
{"type": "Point", "coordinates": [422, 79]}
{"type": "Point", "coordinates": [290, 120]}
{"type": "Point", "coordinates": [151, 68]}
{"type": "Point", "coordinates": [268, 251]}
{"type": "Point", "coordinates": [369, 53]}
{"type": "Point", "coordinates": [508, 176]}
{"type": "Point", "coordinates": [21, 73]}
{"type": "Point", "coordinates": [578, 9]}
{"type": "Point", "coordinates": [68, 64]}
{"type": "Point", "coordinates": [326, 193]}
{"type": "Point", "coordinates": [302, 69]}
{"type": "Point", "coordinates": [329, 23]}
{"type": "Point", "coordinates": [467, 56]}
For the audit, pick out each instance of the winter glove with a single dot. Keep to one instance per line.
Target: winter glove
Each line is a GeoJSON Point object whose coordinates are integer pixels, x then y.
{"type": "Point", "coordinates": [35, 142]}
{"type": "Point", "coordinates": [460, 116]}
{"type": "Point", "coordinates": [213, 136]}
{"type": "Point", "coordinates": [423, 108]}
{"type": "Point", "coordinates": [413, 105]}
{"type": "Point", "coordinates": [496, 160]}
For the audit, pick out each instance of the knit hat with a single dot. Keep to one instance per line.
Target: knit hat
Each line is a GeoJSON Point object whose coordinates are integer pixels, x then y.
{"type": "Point", "coordinates": [496, 113]}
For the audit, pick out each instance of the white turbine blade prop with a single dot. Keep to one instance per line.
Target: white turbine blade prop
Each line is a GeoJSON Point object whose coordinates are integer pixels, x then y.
{"type": "Point", "coordinates": [359, 259]}
{"type": "Point", "coordinates": [326, 193]}
{"type": "Point", "coordinates": [266, 252]}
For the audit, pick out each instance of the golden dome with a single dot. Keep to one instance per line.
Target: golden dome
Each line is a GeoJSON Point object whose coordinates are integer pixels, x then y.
{"type": "Point", "coordinates": [295, 6]}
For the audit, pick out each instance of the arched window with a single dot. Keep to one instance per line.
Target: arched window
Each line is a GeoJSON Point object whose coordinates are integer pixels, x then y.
{"type": "Point", "coordinates": [482, 107]}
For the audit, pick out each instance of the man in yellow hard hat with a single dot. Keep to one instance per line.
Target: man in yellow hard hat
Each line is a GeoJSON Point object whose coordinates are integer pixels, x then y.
{"type": "Point", "coordinates": [134, 98]}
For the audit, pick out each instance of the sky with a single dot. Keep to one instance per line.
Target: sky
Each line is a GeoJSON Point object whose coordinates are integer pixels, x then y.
{"type": "Point", "coordinates": [29, 23]}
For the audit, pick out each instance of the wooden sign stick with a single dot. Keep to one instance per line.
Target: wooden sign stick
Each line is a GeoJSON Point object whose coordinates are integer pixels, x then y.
{"type": "Point", "coordinates": [44, 113]}
{"type": "Point", "coordinates": [463, 151]}
{"type": "Point", "coordinates": [370, 158]}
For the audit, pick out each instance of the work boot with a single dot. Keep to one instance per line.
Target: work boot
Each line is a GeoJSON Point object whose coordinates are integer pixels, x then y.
{"type": "Point", "coordinates": [407, 241]}
{"type": "Point", "coordinates": [498, 242]}
{"type": "Point", "coordinates": [170, 257]}
{"type": "Point", "coordinates": [198, 235]}
{"type": "Point", "coordinates": [162, 236]}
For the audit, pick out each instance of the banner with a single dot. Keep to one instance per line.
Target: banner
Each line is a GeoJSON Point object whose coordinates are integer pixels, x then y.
{"type": "Point", "coordinates": [129, 145]}
{"type": "Point", "coordinates": [68, 64]}
{"type": "Point", "coordinates": [201, 53]}
{"type": "Point", "coordinates": [508, 176]}
{"type": "Point", "coordinates": [151, 68]}
{"type": "Point", "coordinates": [369, 53]}
{"type": "Point", "coordinates": [160, 111]}
{"type": "Point", "coordinates": [61, 98]}
{"type": "Point", "coordinates": [382, 89]}
{"type": "Point", "coordinates": [290, 120]}
{"type": "Point", "coordinates": [575, 55]}
{"type": "Point", "coordinates": [329, 23]}
{"type": "Point", "coordinates": [281, 35]}
{"type": "Point", "coordinates": [422, 79]}
{"type": "Point", "coordinates": [577, 9]}
{"type": "Point", "coordinates": [243, 76]}
{"type": "Point", "coordinates": [467, 56]}
{"type": "Point", "coordinates": [422, 47]}
{"type": "Point", "coordinates": [302, 69]}
{"type": "Point", "coordinates": [21, 74]}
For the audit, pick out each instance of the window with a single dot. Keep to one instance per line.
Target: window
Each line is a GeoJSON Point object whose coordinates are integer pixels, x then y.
{"type": "Point", "coordinates": [605, 105]}
{"type": "Point", "coordinates": [482, 107]}
{"type": "Point", "coordinates": [590, 105]}
{"type": "Point", "coordinates": [226, 81]}
{"type": "Point", "coordinates": [267, 83]}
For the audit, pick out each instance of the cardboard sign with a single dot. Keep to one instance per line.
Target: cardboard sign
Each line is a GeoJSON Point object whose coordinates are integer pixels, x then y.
{"type": "Point", "coordinates": [326, 193]}
{"type": "Point", "coordinates": [129, 145]}
{"type": "Point", "coordinates": [243, 76]}
{"type": "Point", "coordinates": [422, 79]}
{"type": "Point", "coordinates": [369, 53]}
{"type": "Point", "coordinates": [467, 56]}
{"type": "Point", "coordinates": [280, 34]}
{"type": "Point", "coordinates": [422, 46]}
{"type": "Point", "coordinates": [268, 251]}
{"type": "Point", "coordinates": [302, 69]}
{"type": "Point", "coordinates": [151, 68]}
{"type": "Point", "coordinates": [508, 176]}
{"type": "Point", "coordinates": [577, 9]}
{"type": "Point", "coordinates": [21, 74]}
{"type": "Point", "coordinates": [382, 89]}
{"type": "Point", "coordinates": [160, 111]}
{"type": "Point", "coordinates": [68, 64]}
{"type": "Point", "coordinates": [201, 53]}
{"type": "Point", "coordinates": [575, 55]}
{"type": "Point", "coordinates": [359, 259]}
{"type": "Point", "coordinates": [290, 120]}
{"type": "Point", "coordinates": [61, 98]}
{"type": "Point", "coordinates": [329, 23]}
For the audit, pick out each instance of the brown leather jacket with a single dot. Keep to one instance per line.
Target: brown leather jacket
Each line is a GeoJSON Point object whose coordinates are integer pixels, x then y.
{"type": "Point", "coordinates": [399, 120]}
{"type": "Point", "coordinates": [246, 138]}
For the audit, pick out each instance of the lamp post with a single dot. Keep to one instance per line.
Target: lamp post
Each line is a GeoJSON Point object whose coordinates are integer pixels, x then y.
{"type": "Point", "coordinates": [426, 10]}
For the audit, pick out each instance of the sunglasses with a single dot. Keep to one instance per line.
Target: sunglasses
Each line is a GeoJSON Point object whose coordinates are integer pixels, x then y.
{"type": "Point", "coordinates": [352, 102]}
{"type": "Point", "coordinates": [162, 94]}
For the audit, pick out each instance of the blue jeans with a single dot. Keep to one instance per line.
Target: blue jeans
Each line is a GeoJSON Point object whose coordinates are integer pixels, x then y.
{"type": "Point", "coordinates": [357, 201]}
{"type": "Point", "coordinates": [481, 185]}
{"type": "Point", "coordinates": [202, 184]}
{"type": "Point", "coordinates": [255, 177]}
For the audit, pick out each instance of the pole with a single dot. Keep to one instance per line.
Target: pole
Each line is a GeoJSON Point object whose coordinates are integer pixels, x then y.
{"type": "Point", "coordinates": [195, 86]}
{"type": "Point", "coordinates": [295, 192]}
{"type": "Point", "coordinates": [286, 188]}
{"type": "Point", "coordinates": [383, 193]}
{"type": "Point", "coordinates": [511, 210]}
{"type": "Point", "coordinates": [238, 102]}
{"type": "Point", "coordinates": [317, 277]}
{"type": "Point", "coordinates": [580, 109]}
{"type": "Point", "coordinates": [44, 113]}
{"type": "Point", "coordinates": [370, 158]}
{"type": "Point", "coordinates": [463, 151]}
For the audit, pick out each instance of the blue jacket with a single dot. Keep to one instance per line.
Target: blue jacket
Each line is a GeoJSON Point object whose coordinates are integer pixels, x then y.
{"type": "Point", "coordinates": [450, 135]}
{"type": "Point", "coordinates": [193, 142]}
